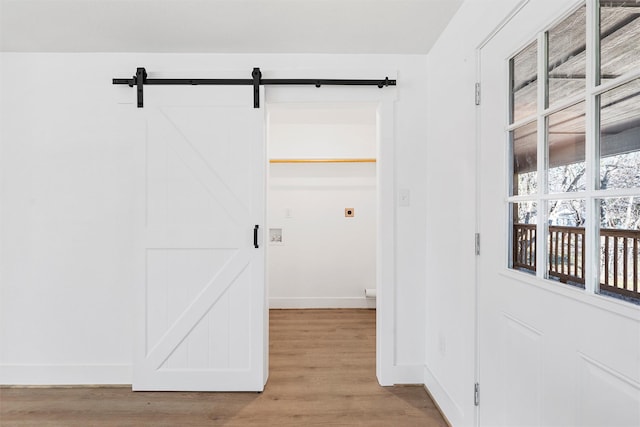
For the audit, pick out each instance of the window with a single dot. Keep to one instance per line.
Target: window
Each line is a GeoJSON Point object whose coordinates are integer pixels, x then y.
{"type": "Point", "coordinates": [574, 144]}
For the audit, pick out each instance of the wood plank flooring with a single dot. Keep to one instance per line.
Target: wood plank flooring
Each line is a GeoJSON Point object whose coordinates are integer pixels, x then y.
{"type": "Point", "coordinates": [322, 372]}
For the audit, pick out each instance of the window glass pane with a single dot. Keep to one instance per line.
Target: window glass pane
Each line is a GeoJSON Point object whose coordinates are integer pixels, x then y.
{"type": "Point", "coordinates": [523, 237]}
{"type": "Point", "coordinates": [524, 148]}
{"type": "Point", "coordinates": [619, 37]}
{"type": "Point", "coordinates": [566, 242]}
{"type": "Point", "coordinates": [567, 58]}
{"type": "Point", "coordinates": [524, 76]}
{"type": "Point", "coordinates": [620, 137]}
{"type": "Point", "coordinates": [620, 248]}
{"type": "Point", "coordinates": [566, 148]}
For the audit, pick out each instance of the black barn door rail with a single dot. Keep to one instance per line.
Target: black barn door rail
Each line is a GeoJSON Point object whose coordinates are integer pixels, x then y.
{"type": "Point", "coordinates": [140, 79]}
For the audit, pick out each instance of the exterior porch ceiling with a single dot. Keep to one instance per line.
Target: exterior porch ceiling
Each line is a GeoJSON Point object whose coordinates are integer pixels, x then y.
{"type": "Point", "coordinates": [620, 113]}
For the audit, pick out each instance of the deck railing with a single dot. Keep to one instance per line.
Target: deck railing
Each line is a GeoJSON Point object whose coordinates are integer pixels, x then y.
{"type": "Point", "coordinates": [524, 246]}
{"type": "Point", "coordinates": [566, 254]}
{"type": "Point", "coordinates": [619, 256]}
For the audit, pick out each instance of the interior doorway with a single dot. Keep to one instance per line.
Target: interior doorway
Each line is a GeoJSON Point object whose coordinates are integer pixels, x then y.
{"type": "Point", "coordinates": [321, 206]}
{"type": "Point", "coordinates": [383, 103]}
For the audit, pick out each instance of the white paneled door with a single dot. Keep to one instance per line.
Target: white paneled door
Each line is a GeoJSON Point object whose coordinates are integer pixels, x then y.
{"type": "Point", "coordinates": [550, 354]}
{"type": "Point", "coordinates": [201, 323]}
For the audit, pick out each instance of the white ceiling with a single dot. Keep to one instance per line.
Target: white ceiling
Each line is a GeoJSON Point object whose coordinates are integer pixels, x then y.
{"type": "Point", "coordinates": [224, 26]}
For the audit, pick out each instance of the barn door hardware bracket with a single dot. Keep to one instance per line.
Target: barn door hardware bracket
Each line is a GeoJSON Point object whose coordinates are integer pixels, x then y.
{"type": "Point", "coordinates": [256, 80]}
{"type": "Point", "coordinates": [257, 76]}
{"type": "Point", "coordinates": [140, 79]}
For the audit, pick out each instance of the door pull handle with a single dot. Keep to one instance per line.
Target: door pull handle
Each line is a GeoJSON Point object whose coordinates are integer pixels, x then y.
{"type": "Point", "coordinates": [255, 236]}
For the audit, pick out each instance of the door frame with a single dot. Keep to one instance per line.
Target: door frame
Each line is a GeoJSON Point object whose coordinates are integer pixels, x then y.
{"type": "Point", "coordinates": [386, 370]}
{"type": "Point", "coordinates": [478, 144]}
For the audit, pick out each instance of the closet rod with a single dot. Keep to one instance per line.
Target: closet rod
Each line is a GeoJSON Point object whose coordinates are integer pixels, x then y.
{"type": "Point", "coordinates": [322, 160]}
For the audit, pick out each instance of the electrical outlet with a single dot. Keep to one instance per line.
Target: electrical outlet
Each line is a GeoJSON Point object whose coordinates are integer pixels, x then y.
{"type": "Point", "coordinates": [404, 197]}
{"type": "Point", "coordinates": [349, 212]}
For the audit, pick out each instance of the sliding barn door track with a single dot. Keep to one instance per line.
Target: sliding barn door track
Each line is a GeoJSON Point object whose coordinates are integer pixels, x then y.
{"type": "Point", "coordinates": [140, 79]}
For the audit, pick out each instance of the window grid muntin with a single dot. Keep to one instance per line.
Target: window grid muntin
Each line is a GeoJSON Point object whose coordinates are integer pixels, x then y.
{"type": "Point", "coordinates": [547, 112]}
{"type": "Point", "coordinates": [543, 205]}
{"type": "Point", "coordinates": [592, 193]}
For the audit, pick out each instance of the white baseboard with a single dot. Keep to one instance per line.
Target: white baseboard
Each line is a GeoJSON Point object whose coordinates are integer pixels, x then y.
{"type": "Point", "coordinates": [65, 374]}
{"type": "Point", "coordinates": [448, 406]}
{"type": "Point", "coordinates": [321, 302]}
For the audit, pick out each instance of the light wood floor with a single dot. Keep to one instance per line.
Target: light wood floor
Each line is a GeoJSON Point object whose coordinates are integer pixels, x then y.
{"type": "Point", "coordinates": [322, 372]}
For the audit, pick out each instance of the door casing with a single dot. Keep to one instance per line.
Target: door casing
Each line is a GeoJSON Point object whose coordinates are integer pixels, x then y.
{"type": "Point", "coordinates": [387, 372]}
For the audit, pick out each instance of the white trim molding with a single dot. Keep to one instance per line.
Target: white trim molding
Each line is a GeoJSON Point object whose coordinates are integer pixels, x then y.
{"type": "Point", "coordinates": [321, 302]}
{"type": "Point", "coordinates": [45, 375]}
{"type": "Point", "coordinates": [441, 396]}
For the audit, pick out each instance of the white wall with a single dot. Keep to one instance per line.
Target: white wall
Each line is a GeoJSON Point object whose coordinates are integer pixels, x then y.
{"type": "Point", "coordinates": [322, 131]}
{"type": "Point", "coordinates": [67, 166]}
{"type": "Point", "coordinates": [68, 199]}
{"type": "Point", "coordinates": [325, 259]}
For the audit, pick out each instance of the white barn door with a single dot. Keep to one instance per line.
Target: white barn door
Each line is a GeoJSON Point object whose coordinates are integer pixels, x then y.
{"type": "Point", "coordinates": [201, 306]}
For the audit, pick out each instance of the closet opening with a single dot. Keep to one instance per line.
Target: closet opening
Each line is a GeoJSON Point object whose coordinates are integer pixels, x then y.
{"type": "Point", "coordinates": [322, 212]}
